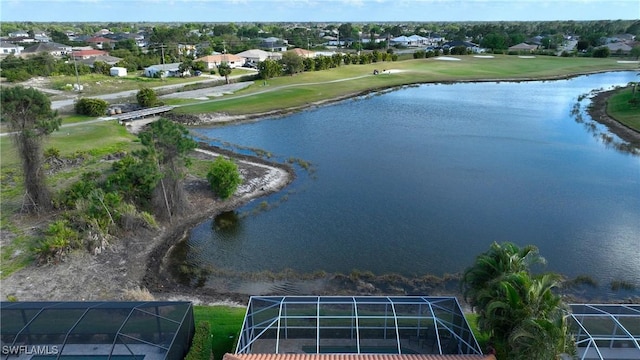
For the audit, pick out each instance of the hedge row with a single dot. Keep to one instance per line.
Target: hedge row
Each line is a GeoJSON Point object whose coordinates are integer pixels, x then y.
{"type": "Point", "coordinates": [201, 344]}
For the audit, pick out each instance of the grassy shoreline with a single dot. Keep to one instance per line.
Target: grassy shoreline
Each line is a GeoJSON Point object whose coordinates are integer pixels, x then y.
{"type": "Point", "coordinates": [313, 88]}
{"type": "Point", "coordinates": [622, 110]}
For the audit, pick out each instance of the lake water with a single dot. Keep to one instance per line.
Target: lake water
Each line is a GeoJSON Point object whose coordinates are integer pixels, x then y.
{"type": "Point", "coordinates": [420, 180]}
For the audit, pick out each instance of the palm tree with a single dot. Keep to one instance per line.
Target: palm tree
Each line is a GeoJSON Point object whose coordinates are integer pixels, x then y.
{"type": "Point", "coordinates": [544, 333]}
{"type": "Point", "coordinates": [520, 312]}
{"type": "Point", "coordinates": [493, 265]}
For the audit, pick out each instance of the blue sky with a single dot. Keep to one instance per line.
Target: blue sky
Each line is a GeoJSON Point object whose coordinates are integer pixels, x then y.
{"type": "Point", "coordinates": [315, 10]}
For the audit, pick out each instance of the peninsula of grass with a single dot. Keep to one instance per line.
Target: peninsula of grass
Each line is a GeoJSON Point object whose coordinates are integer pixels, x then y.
{"type": "Point", "coordinates": [348, 80]}
{"type": "Point", "coordinates": [621, 107]}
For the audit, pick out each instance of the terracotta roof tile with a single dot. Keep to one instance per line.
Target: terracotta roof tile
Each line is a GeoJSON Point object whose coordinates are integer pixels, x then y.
{"type": "Point", "coordinates": [354, 357]}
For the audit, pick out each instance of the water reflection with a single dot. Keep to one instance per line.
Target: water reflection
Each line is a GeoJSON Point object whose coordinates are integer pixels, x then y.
{"type": "Point", "coordinates": [228, 224]}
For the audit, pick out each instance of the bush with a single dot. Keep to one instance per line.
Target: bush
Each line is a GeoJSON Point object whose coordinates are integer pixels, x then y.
{"type": "Point", "coordinates": [146, 97]}
{"type": "Point", "coordinates": [16, 75]}
{"type": "Point", "coordinates": [201, 344]}
{"type": "Point", "coordinates": [59, 237]}
{"type": "Point", "coordinates": [91, 107]}
{"type": "Point", "coordinates": [224, 177]}
{"type": "Point", "coordinates": [601, 52]}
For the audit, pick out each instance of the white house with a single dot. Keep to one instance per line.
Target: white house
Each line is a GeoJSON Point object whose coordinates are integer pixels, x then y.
{"type": "Point", "coordinates": [7, 48]}
{"type": "Point", "coordinates": [256, 55]}
{"type": "Point", "coordinates": [213, 61]}
{"type": "Point", "coordinates": [118, 71]}
{"type": "Point", "coordinates": [164, 70]}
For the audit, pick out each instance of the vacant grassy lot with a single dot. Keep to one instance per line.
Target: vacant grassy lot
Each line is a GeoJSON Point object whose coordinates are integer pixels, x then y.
{"type": "Point", "coordinates": [311, 87]}
{"type": "Point", "coordinates": [620, 108]}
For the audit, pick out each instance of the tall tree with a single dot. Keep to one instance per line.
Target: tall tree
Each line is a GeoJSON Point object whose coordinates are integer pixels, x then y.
{"type": "Point", "coordinates": [292, 62]}
{"type": "Point", "coordinates": [168, 142]}
{"type": "Point", "coordinates": [31, 118]}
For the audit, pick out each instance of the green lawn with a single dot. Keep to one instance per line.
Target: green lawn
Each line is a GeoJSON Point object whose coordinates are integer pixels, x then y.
{"type": "Point", "coordinates": [620, 108]}
{"type": "Point", "coordinates": [226, 323]}
{"type": "Point", "coordinates": [310, 87]}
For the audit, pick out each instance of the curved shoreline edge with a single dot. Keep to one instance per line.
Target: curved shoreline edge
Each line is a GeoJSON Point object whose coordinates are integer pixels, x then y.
{"type": "Point", "coordinates": [598, 112]}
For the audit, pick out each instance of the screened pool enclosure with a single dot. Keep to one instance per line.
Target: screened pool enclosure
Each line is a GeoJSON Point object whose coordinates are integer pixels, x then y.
{"type": "Point", "coordinates": [96, 330]}
{"type": "Point", "coordinates": [606, 331]}
{"type": "Point", "coordinates": [361, 325]}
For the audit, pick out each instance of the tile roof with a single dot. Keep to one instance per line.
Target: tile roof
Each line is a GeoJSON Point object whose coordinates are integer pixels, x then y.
{"type": "Point", "coordinates": [354, 357]}
{"type": "Point", "coordinates": [220, 58]}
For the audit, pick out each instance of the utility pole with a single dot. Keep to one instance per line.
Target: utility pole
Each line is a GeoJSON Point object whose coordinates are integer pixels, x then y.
{"type": "Point", "coordinates": [162, 46]}
{"type": "Point", "coordinates": [75, 65]}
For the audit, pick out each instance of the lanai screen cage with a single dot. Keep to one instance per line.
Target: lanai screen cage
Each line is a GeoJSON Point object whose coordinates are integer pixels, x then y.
{"type": "Point", "coordinates": [96, 330]}
{"type": "Point", "coordinates": [360, 324]}
{"type": "Point", "coordinates": [609, 331]}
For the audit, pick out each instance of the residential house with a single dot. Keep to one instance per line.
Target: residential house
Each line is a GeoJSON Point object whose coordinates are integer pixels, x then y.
{"type": "Point", "coordinates": [334, 41]}
{"type": "Point", "coordinates": [7, 48]}
{"type": "Point", "coordinates": [52, 48]}
{"type": "Point", "coordinates": [625, 38]}
{"type": "Point", "coordinates": [19, 34]}
{"type": "Point", "coordinates": [164, 70]}
{"type": "Point", "coordinates": [274, 44]}
{"type": "Point", "coordinates": [410, 41]}
{"type": "Point", "coordinates": [255, 56]}
{"type": "Point", "coordinates": [21, 39]}
{"type": "Point", "coordinates": [71, 35]}
{"type": "Point", "coordinates": [86, 54]}
{"type": "Point", "coordinates": [41, 36]}
{"type": "Point", "coordinates": [619, 48]}
{"type": "Point", "coordinates": [109, 60]}
{"type": "Point", "coordinates": [303, 53]}
{"type": "Point", "coordinates": [102, 32]}
{"type": "Point", "coordinates": [100, 42]}
{"type": "Point", "coordinates": [213, 61]}
{"type": "Point", "coordinates": [523, 47]}
{"type": "Point", "coordinates": [186, 49]}
{"type": "Point", "coordinates": [475, 48]}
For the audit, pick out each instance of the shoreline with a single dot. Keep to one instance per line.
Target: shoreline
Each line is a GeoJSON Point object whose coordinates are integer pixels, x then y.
{"type": "Point", "coordinates": [598, 112]}
{"type": "Point", "coordinates": [138, 261]}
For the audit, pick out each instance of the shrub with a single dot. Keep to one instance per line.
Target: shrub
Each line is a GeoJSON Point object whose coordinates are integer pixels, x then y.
{"type": "Point", "coordinates": [16, 75]}
{"type": "Point", "coordinates": [91, 107]}
{"type": "Point", "coordinates": [224, 177]}
{"type": "Point", "coordinates": [146, 97]}
{"type": "Point", "coordinates": [601, 52]}
{"type": "Point", "coordinates": [80, 189]}
{"type": "Point", "coordinates": [59, 237]}
{"type": "Point", "coordinates": [201, 344]}
{"type": "Point", "coordinates": [52, 153]}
